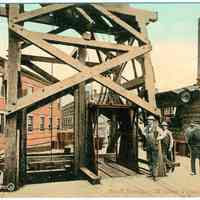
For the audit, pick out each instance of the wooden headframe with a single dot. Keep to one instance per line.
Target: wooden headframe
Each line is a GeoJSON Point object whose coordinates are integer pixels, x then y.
{"type": "Point", "coordinates": [127, 25]}
{"type": "Point", "coordinates": [127, 52]}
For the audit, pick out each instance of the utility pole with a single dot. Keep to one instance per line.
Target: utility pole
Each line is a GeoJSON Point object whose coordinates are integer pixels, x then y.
{"type": "Point", "coordinates": [198, 59]}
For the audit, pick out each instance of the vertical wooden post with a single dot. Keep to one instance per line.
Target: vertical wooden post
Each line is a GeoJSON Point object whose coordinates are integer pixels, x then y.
{"type": "Point", "coordinates": [80, 119]}
{"type": "Point", "coordinates": [135, 138]}
{"type": "Point", "coordinates": [148, 68]}
{"type": "Point", "coordinates": [22, 124]}
{"type": "Point", "coordinates": [82, 122]}
{"type": "Point", "coordinates": [76, 132]}
{"type": "Point", "coordinates": [12, 158]}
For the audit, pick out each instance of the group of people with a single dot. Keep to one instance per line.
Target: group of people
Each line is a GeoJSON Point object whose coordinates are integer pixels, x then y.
{"type": "Point", "coordinates": [159, 141]}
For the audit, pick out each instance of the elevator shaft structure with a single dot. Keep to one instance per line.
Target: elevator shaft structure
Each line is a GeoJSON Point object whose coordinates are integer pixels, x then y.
{"type": "Point", "coordinates": [93, 23]}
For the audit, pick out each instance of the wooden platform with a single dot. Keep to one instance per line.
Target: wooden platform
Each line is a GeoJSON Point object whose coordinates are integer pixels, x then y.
{"type": "Point", "coordinates": [38, 163]}
{"type": "Point", "coordinates": [112, 169]}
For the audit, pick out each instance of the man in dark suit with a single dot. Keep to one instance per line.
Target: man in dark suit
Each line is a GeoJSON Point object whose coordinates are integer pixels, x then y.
{"type": "Point", "coordinates": [193, 139]}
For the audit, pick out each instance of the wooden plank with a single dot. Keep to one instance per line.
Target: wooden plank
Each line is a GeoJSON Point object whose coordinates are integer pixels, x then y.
{"type": "Point", "coordinates": [40, 71]}
{"type": "Point", "coordinates": [26, 57]}
{"type": "Point", "coordinates": [47, 162]}
{"type": "Point", "coordinates": [46, 59]}
{"type": "Point", "coordinates": [85, 15]}
{"type": "Point", "coordinates": [110, 170]}
{"type": "Point", "coordinates": [121, 23]}
{"type": "Point", "coordinates": [40, 12]}
{"type": "Point", "coordinates": [121, 168]}
{"type": "Point", "coordinates": [93, 178]}
{"type": "Point", "coordinates": [133, 84]}
{"type": "Point", "coordinates": [78, 42]}
{"type": "Point", "coordinates": [45, 171]}
{"type": "Point", "coordinates": [130, 11]}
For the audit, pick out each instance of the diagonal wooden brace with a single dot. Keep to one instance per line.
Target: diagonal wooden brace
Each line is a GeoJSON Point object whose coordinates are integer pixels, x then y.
{"type": "Point", "coordinates": [121, 23]}
{"type": "Point", "coordinates": [86, 74]}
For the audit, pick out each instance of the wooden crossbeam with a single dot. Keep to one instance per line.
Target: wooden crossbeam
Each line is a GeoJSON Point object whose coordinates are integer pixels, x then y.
{"type": "Point", "coordinates": [46, 59]}
{"type": "Point", "coordinates": [152, 16]}
{"type": "Point", "coordinates": [79, 42]}
{"type": "Point", "coordinates": [133, 84]}
{"type": "Point", "coordinates": [85, 15]}
{"type": "Point", "coordinates": [121, 23]}
{"type": "Point", "coordinates": [26, 57]}
{"type": "Point", "coordinates": [93, 178]}
{"type": "Point", "coordinates": [40, 71]}
{"type": "Point", "coordinates": [40, 12]}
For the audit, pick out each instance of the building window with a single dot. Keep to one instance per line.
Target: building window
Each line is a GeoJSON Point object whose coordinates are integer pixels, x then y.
{"type": "Point", "coordinates": [58, 123]}
{"type": "Point", "coordinates": [2, 92]}
{"type": "Point", "coordinates": [42, 122]}
{"type": "Point", "coordinates": [2, 123]}
{"type": "Point", "coordinates": [30, 123]}
{"type": "Point", "coordinates": [50, 123]}
{"type": "Point", "coordinates": [29, 90]}
{"type": "Point", "coordinates": [58, 104]}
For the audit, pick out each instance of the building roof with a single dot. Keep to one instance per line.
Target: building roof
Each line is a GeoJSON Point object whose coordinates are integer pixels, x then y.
{"type": "Point", "coordinates": [171, 97]}
{"type": "Point", "coordinates": [191, 88]}
{"type": "Point", "coordinates": [26, 72]}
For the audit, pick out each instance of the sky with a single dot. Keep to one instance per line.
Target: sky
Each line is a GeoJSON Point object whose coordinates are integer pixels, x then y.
{"type": "Point", "coordinates": [173, 38]}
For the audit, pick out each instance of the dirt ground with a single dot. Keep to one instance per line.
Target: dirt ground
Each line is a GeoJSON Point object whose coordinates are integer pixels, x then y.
{"type": "Point", "coordinates": [177, 184]}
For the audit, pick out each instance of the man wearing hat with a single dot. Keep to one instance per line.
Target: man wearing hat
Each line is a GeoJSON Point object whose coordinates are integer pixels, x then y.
{"type": "Point", "coordinates": [193, 140]}
{"type": "Point", "coordinates": [152, 135]}
{"type": "Point", "coordinates": [167, 145]}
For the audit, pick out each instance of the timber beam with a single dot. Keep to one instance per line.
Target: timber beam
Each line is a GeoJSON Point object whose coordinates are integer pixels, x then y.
{"type": "Point", "coordinates": [78, 42]}
{"type": "Point", "coordinates": [133, 84]}
{"type": "Point", "coordinates": [92, 177]}
{"type": "Point", "coordinates": [45, 59]}
{"type": "Point", "coordinates": [40, 71]}
{"type": "Point", "coordinates": [130, 11]}
{"type": "Point", "coordinates": [40, 12]}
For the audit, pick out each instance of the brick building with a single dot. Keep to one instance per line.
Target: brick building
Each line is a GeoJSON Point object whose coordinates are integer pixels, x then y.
{"type": "Point", "coordinates": [68, 119]}
{"type": "Point", "coordinates": [40, 132]}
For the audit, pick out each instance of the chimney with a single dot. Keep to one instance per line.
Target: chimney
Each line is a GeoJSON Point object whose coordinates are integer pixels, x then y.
{"type": "Point", "coordinates": [198, 61]}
